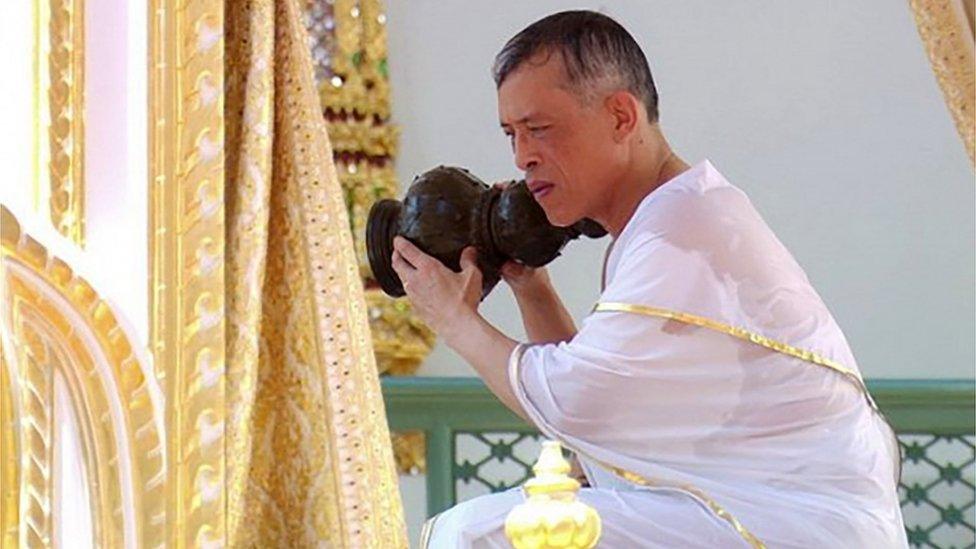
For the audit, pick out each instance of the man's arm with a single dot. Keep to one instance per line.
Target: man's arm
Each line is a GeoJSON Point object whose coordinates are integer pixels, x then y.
{"type": "Point", "coordinates": [448, 303]}
{"type": "Point", "coordinates": [544, 316]}
{"type": "Point", "coordinates": [487, 350]}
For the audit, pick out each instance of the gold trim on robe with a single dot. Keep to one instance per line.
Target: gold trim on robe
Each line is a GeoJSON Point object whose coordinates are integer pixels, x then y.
{"type": "Point", "coordinates": [740, 333]}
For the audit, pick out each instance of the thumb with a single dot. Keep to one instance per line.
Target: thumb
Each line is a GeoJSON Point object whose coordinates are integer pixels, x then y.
{"type": "Point", "coordinates": [512, 268]}
{"type": "Point", "coordinates": [469, 258]}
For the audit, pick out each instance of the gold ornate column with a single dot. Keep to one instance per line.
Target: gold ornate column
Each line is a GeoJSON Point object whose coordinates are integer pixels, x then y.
{"type": "Point", "coordinates": [186, 163]}
{"type": "Point", "coordinates": [59, 113]}
{"type": "Point", "coordinates": [59, 335]}
{"type": "Point", "coordinates": [9, 468]}
{"type": "Point", "coordinates": [67, 108]}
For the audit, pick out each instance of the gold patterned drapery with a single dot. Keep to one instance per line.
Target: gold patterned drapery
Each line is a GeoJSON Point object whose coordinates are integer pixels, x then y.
{"type": "Point", "coordinates": [349, 51]}
{"type": "Point", "coordinates": [309, 462]}
{"type": "Point", "coordinates": [349, 54]}
{"type": "Point", "coordinates": [946, 28]}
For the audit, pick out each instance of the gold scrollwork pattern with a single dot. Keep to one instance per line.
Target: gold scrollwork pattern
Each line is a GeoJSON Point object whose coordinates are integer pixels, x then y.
{"type": "Point", "coordinates": [356, 100]}
{"type": "Point", "coordinates": [66, 130]}
{"type": "Point", "coordinates": [187, 321]}
{"type": "Point", "coordinates": [249, 98]}
{"type": "Point", "coordinates": [410, 452]}
{"type": "Point", "coordinates": [309, 461]}
{"type": "Point", "coordinates": [9, 446]}
{"type": "Point", "coordinates": [55, 326]}
{"type": "Point", "coordinates": [35, 434]}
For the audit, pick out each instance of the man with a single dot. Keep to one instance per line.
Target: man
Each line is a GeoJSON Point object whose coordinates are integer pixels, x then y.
{"type": "Point", "coordinates": [711, 397]}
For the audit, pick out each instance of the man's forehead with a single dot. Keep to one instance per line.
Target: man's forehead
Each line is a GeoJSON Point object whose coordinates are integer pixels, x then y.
{"type": "Point", "coordinates": [528, 89]}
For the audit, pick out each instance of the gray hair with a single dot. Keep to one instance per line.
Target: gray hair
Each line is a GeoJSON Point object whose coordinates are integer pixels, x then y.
{"type": "Point", "coordinates": [596, 51]}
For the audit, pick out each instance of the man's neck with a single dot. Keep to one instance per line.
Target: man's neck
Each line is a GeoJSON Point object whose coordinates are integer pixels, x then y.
{"type": "Point", "coordinates": [655, 165]}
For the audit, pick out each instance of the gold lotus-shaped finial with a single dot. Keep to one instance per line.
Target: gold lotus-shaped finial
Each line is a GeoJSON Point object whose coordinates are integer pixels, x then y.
{"type": "Point", "coordinates": [551, 516]}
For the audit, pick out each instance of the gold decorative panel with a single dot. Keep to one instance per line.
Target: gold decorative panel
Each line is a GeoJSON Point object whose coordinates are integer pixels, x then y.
{"type": "Point", "coordinates": [187, 259]}
{"type": "Point", "coordinates": [66, 107]}
{"type": "Point", "coordinates": [129, 440]}
{"type": "Point", "coordinates": [55, 326]}
{"type": "Point", "coordinates": [9, 466]}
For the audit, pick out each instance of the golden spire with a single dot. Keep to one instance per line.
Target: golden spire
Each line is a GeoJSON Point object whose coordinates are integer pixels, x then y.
{"type": "Point", "coordinates": [552, 516]}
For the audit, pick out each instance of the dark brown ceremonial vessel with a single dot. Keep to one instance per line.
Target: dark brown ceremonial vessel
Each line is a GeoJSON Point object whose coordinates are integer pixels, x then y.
{"type": "Point", "coordinates": [447, 209]}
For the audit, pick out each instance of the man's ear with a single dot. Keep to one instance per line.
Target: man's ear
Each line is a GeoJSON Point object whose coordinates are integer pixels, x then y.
{"type": "Point", "coordinates": [624, 110]}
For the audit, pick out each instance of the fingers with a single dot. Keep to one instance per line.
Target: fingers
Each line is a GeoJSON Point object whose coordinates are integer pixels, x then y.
{"type": "Point", "coordinates": [469, 266]}
{"type": "Point", "coordinates": [412, 254]}
{"type": "Point", "coordinates": [403, 269]}
{"type": "Point", "coordinates": [512, 268]}
{"type": "Point", "coordinates": [469, 258]}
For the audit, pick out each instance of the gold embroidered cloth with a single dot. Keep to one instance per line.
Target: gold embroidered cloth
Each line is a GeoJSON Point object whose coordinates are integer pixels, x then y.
{"type": "Point", "coordinates": [309, 462]}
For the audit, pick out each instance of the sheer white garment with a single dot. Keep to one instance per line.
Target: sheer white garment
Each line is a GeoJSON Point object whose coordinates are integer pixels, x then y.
{"type": "Point", "coordinates": [721, 407]}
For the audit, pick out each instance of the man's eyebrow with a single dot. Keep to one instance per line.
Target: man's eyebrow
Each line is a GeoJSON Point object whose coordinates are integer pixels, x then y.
{"type": "Point", "coordinates": [523, 120]}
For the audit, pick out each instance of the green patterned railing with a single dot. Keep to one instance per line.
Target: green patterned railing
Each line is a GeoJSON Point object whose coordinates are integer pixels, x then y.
{"type": "Point", "coordinates": [476, 445]}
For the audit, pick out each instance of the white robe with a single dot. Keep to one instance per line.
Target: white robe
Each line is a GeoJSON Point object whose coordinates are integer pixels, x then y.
{"type": "Point", "coordinates": [711, 375]}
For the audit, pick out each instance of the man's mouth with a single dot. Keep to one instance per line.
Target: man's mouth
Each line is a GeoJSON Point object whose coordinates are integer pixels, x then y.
{"type": "Point", "coordinates": [540, 189]}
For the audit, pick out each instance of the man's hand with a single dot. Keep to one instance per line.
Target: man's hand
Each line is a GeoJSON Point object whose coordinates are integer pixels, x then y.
{"type": "Point", "coordinates": [448, 303]}
{"type": "Point", "coordinates": [522, 278]}
{"type": "Point", "coordinates": [441, 297]}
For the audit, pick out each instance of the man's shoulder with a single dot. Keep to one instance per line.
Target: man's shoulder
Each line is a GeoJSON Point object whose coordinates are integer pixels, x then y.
{"type": "Point", "coordinates": [693, 213]}
{"type": "Point", "coordinates": [695, 194]}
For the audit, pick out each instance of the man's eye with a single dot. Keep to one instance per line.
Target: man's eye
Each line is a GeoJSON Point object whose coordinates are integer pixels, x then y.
{"type": "Point", "coordinates": [538, 129]}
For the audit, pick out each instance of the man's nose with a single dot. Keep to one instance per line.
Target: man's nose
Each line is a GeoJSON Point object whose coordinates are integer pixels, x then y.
{"type": "Point", "coordinates": [526, 156]}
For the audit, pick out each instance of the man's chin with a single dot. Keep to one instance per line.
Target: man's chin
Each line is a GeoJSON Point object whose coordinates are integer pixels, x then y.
{"type": "Point", "coordinates": [557, 219]}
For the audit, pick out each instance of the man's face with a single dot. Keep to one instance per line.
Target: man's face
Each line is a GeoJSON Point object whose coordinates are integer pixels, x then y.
{"type": "Point", "coordinates": [565, 147]}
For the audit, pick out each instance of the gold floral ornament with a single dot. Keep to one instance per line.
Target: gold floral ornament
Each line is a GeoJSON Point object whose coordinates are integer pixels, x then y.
{"type": "Point", "coordinates": [401, 338]}
{"type": "Point", "coordinates": [552, 517]}
{"type": "Point", "coordinates": [61, 339]}
{"type": "Point", "coordinates": [410, 452]}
